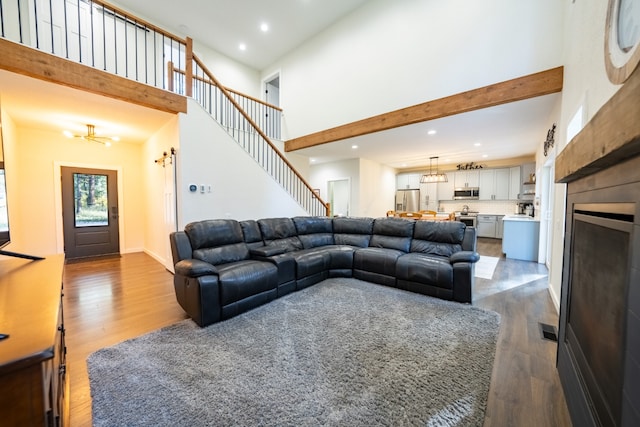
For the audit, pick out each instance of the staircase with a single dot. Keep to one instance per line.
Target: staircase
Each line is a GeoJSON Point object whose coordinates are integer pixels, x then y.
{"type": "Point", "coordinates": [104, 37]}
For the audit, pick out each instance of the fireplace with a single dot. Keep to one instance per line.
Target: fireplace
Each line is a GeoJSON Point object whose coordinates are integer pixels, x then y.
{"type": "Point", "coordinates": [598, 357]}
{"type": "Point", "coordinates": [595, 314]}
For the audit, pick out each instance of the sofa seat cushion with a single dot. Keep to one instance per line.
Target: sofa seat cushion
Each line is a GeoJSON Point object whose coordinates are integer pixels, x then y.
{"type": "Point", "coordinates": [340, 257]}
{"type": "Point", "coordinates": [428, 269]}
{"type": "Point", "coordinates": [377, 260]}
{"type": "Point", "coordinates": [239, 280]}
{"type": "Point", "coordinates": [311, 261]}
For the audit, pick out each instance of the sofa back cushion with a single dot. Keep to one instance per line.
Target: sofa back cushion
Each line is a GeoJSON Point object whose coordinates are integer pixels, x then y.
{"type": "Point", "coordinates": [217, 241]}
{"type": "Point", "coordinates": [314, 231]}
{"type": "Point", "coordinates": [251, 233]}
{"type": "Point", "coordinates": [352, 231]}
{"type": "Point", "coordinates": [392, 233]}
{"type": "Point", "coordinates": [280, 232]}
{"type": "Point", "coordinates": [443, 238]}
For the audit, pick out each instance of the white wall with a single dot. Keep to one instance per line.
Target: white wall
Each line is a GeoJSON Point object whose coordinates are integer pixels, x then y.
{"type": "Point", "coordinates": [33, 161]}
{"type": "Point", "coordinates": [391, 54]}
{"type": "Point", "coordinates": [320, 175]}
{"type": "Point", "coordinates": [160, 192]}
{"type": "Point", "coordinates": [372, 184]}
{"type": "Point", "coordinates": [585, 84]}
{"type": "Point", "coordinates": [377, 189]}
{"type": "Point", "coordinates": [240, 188]}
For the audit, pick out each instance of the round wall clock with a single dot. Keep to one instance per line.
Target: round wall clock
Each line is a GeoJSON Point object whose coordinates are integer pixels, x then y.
{"type": "Point", "coordinates": [622, 37]}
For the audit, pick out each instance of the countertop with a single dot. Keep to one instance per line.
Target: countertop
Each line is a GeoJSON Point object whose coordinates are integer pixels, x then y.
{"type": "Point", "coordinates": [520, 217]}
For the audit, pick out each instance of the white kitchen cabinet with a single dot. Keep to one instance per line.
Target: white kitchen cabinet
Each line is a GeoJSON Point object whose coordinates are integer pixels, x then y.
{"type": "Point", "coordinates": [406, 181]}
{"type": "Point", "coordinates": [429, 196]}
{"type": "Point", "coordinates": [499, 226]}
{"type": "Point", "coordinates": [515, 183]}
{"type": "Point", "coordinates": [486, 225]}
{"type": "Point", "coordinates": [445, 189]}
{"type": "Point", "coordinates": [470, 178]}
{"type": "Point", "coordinates": [494, 184]}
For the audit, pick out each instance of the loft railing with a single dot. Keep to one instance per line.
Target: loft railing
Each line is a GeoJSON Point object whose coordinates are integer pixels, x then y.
{"type": "Point", "coordinates": [226, 109]}
{"type": "Point", "coordinates": [95, 34]}
{"type": "Point", "coordinates": [267, 117]}
{"type": "Point", "coordinates": [105, 37]}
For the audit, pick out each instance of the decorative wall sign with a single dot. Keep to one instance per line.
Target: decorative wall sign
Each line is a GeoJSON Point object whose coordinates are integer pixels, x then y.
{"type": "Point", "coordinates": [549, 142]}
{"type": "Point", "coordinates": [470, 166]}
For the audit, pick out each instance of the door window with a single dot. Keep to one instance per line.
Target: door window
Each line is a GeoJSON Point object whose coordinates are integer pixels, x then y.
{"type": "Point", "coordinates": [90, 200]}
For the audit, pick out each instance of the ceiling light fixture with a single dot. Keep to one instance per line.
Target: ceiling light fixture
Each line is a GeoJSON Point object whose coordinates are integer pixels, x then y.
{"type": "Point", "coordinates": [242, 46]}
{"type": "Point", "coordinates": [264, 27]}
{"type": "Point", "coordinates": [91, 136]}
{"type": "Point", "coordinates": [433, 177]}
{"type": "Point", "coordinates": [432, 132]}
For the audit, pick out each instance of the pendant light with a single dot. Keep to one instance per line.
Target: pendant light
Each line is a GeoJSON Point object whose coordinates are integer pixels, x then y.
{"type": "Point", "coordinates": [433, 177]}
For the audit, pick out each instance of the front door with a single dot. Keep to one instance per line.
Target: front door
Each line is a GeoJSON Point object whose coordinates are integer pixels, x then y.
{"type": "Point", "coordinates": [90, 212]}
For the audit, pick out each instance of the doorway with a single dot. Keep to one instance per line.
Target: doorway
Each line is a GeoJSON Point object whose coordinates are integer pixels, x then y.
{"type": "Point", "coordinates": [90, 212]}
{"type": "Point", "coordinates": [339, 196]}
{"type": "Point", "coordinates": [272, 90]}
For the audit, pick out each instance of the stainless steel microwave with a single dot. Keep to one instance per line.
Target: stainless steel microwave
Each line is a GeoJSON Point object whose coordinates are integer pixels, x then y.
{"type": "Point", "coordinates": [466, 193]}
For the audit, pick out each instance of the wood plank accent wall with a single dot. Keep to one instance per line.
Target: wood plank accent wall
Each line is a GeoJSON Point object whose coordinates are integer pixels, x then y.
{"type": "Point", "coordinates": [530, 86]}
{"type": "Point", "coordinates": [611, 136]}
{"type": "Point", "coordinates": [34, 63]}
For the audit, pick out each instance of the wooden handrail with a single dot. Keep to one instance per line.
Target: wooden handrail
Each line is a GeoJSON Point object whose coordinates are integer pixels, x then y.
{"type": "Point", "coordinates": [138, 21]}
{"type": "Point", "coordinates": [258, 130]}
{"type": "Point", "coordinates": [179, 71]}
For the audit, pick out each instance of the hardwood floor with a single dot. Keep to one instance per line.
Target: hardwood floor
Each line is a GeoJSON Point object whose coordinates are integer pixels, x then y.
{"type": "Point", "coordinates": [107, 301]}
{"type": "Point", "coordinates": [110, 300]}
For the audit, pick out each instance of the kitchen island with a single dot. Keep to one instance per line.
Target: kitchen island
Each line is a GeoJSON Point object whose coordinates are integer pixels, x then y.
{"type": "Point", "coordinates": [521, 236]}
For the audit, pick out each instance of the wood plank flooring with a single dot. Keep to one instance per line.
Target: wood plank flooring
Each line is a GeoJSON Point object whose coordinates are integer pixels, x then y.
{"type": "Point", "coordinates": [110, 300]}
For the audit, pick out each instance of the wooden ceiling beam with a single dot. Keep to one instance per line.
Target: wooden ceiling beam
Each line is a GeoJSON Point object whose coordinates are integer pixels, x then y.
{"type": "Point", "coordinates": [518, 89]}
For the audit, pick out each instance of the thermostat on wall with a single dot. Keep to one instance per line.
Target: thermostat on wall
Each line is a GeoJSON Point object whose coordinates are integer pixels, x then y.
{"type": "Point", "coordinates": [193, 188]}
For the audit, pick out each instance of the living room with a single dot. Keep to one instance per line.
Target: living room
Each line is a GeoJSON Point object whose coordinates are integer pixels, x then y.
{"type": "Point", "coordinates": [586, 88]}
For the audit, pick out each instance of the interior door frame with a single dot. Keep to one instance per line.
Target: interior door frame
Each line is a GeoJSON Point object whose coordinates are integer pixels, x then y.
{"type": "Point", "coordinates": [349, 204]}
{"type": "Point", "coordinates": [57, 190]}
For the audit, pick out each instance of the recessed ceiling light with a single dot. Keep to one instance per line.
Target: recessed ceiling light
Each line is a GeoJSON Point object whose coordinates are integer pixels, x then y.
{"type": "Point", "coordinates": [432, 132]}
{"type": "Point", "coordinates": [354, 147]}
{"type": "Point", "coordinates": [242, 46]}
{"type": "Point", "coordinates": [484, 156]}
{"type": "Point", "coordinates": [264, 27]}
{"type": "Point", "coordinates": [477, 144]}
{"type": "Point", "coordinates": [313, 160]}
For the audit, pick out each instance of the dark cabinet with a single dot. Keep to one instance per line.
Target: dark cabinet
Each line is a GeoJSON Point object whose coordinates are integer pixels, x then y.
{"type": "Point", "coordinates": [33, 386]}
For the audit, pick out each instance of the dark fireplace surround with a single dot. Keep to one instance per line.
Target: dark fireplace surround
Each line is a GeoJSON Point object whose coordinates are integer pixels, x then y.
{"type": "Point", "coordinates": [598, 357]}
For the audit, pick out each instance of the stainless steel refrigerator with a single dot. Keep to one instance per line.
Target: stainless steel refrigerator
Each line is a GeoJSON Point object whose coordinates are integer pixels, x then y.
{"type": "Point", "coordinates": [407, 200]}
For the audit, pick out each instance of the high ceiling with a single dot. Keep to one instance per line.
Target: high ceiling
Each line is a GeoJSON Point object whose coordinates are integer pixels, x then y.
{"type": "Point", "coordinates": [225, 24]}
{"type": "Point", "coordinates": [507, 131]}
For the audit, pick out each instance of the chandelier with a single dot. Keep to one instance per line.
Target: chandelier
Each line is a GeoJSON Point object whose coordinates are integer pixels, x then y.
{"type": "Point", "coordinates": [433, 177]}
{"type": "Point", "coordinates": [91, 136]}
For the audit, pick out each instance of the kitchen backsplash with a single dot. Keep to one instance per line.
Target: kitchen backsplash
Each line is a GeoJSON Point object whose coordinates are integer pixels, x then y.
{"type": "Point", "coordinates": [506, 207]}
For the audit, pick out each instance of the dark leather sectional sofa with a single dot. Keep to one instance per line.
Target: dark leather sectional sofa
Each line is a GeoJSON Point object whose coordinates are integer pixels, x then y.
{"type": "Point", "coordinates": [224, 267]}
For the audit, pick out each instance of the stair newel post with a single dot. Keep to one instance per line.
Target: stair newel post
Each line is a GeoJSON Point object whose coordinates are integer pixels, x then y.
{"type": "Point", "coordinates": [189, 67]}
{"type": "Point", "coordinates": [170, 76]}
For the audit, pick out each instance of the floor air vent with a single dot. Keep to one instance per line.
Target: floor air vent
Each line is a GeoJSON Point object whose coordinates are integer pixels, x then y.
{"type": "Point", "coordinates": [548, 332]}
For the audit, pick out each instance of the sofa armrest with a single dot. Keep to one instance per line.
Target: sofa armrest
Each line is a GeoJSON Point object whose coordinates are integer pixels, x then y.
{"type": "Point", "coordinates": [194, 268]}
{"type": "Point", "coordinates": [267, 251]}
{"type": "Point", "coordinates": [464, 256]}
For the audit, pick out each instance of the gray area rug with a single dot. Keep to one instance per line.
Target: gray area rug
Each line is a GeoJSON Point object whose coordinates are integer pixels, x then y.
{"type": "Point", "coordinates": [342, 352]}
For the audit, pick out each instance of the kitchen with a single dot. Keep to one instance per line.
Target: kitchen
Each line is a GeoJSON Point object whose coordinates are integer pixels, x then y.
{"type": "Point", "coordinates": [500, 203]}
